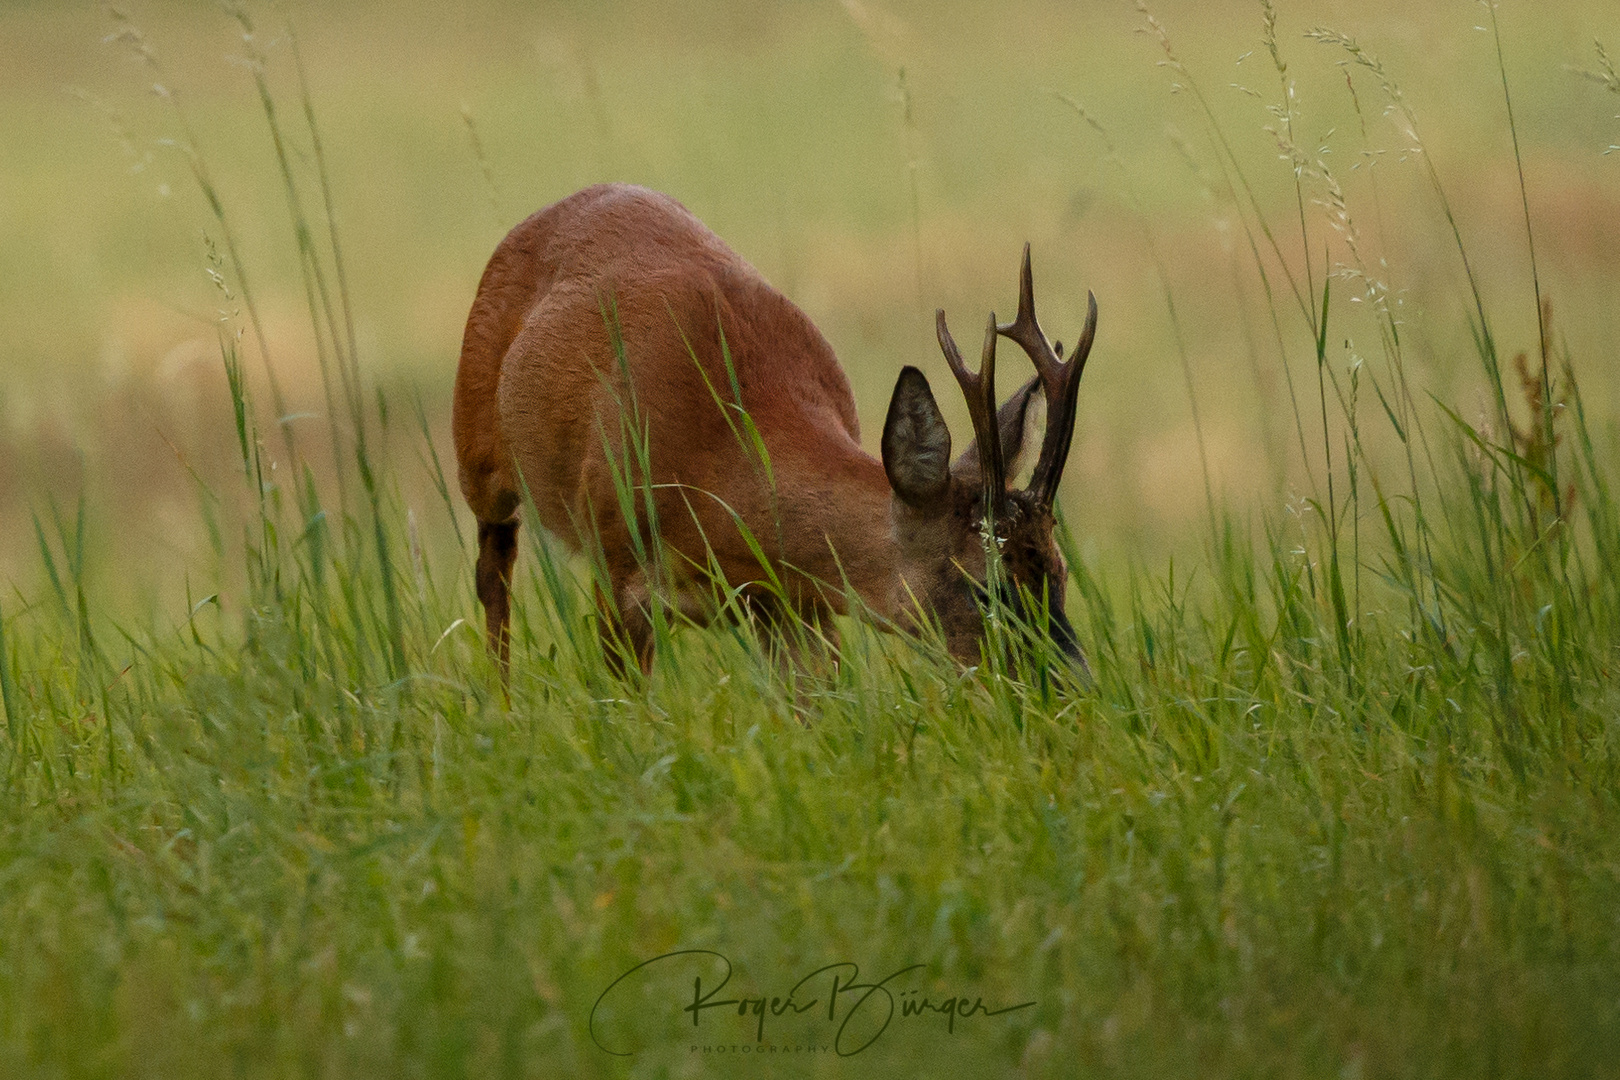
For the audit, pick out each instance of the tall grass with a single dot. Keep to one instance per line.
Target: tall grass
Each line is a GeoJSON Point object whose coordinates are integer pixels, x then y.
{"type": "Point", "coordinates": [1342, 798]}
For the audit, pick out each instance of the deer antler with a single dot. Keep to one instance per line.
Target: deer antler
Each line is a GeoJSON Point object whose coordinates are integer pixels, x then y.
{"type": "Point", "coordinates": [1060, 381]}
{"type": "Point", "coordinates": [980, 391]}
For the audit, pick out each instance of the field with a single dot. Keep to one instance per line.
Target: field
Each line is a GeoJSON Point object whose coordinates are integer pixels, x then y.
{"type": "Point", "coordinates": [1342, 799]}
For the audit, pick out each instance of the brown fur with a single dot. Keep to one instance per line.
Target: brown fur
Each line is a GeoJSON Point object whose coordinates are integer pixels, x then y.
{"type": "Point", "coordinates": [542, 397]}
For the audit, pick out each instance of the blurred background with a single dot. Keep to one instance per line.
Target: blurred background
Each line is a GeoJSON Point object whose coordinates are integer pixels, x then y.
{"type": "Point", "coordinates": [873, 159]}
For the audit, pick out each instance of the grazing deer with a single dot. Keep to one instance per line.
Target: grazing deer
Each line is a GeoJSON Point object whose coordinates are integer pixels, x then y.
{"type": "Point", "coordinates": [615, 316]}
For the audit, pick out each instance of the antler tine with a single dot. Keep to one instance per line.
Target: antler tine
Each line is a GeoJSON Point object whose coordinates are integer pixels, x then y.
{"type": "Point", "coordinates": [1044, 482]}
{"type": "Point", "coordinates": [980, 391]}
{"type": "Point", "coordinates": [1060, 381]}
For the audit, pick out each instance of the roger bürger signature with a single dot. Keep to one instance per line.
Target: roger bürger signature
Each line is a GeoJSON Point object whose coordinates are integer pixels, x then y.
{"type": "Point", "coordinates": [862, 1010]}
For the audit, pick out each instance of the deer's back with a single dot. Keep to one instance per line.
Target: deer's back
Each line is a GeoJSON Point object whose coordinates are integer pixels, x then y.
{"type": "Point", "coordinates": [543, 383]}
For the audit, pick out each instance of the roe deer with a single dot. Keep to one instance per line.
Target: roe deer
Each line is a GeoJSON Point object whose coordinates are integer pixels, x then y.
{"type": "Point", "coordinates": [618, 301]}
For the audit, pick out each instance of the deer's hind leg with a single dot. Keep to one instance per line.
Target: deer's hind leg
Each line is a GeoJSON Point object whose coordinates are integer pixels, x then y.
{"type": "Point", "coordinates": [497, 551]}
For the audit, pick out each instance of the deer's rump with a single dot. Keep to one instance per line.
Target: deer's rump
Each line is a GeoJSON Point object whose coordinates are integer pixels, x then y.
{"type": "Point", "coordinates": [616, 311]}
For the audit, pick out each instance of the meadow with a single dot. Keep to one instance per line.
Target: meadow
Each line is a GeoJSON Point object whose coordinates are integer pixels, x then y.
{"type": "Point", "coordinates": [1343, 797]}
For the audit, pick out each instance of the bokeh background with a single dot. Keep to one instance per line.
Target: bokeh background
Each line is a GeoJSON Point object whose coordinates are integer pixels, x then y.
{"type": "Point", "coordinates": [873, 159]}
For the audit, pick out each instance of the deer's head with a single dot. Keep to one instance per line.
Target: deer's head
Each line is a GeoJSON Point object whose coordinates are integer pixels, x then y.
{"type": "Point", "coordinates": [954, 520]}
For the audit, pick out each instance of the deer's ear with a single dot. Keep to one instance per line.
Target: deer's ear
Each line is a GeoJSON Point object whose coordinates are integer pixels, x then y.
{"type": "Point", "coordinates": [916, 443]}
{"type": "Point", "coordinates": [1017, 421]}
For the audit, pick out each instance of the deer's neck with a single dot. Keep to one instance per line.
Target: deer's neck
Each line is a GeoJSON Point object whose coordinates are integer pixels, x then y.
{"type": "Point", "coordinates": [837, 527]}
